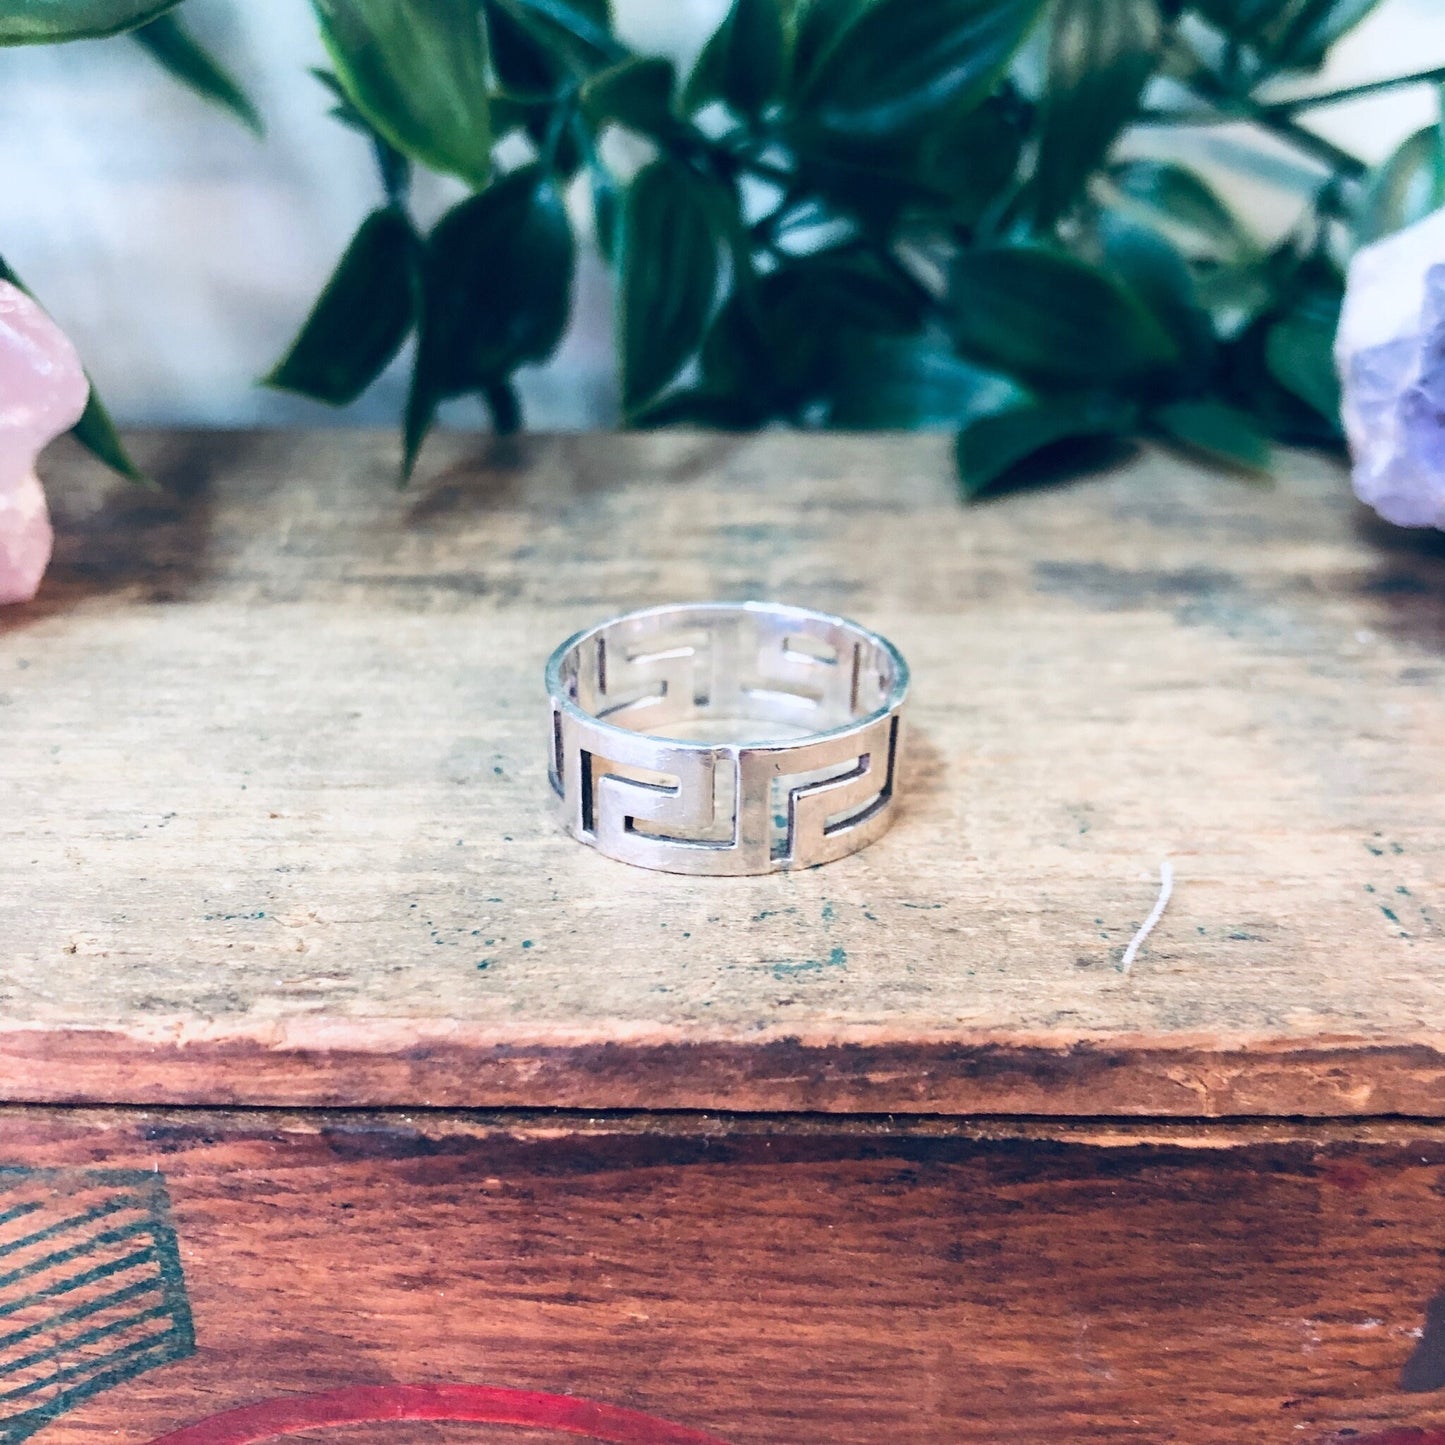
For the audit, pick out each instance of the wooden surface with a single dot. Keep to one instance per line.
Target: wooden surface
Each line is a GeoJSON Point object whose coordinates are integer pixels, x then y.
{"type": "Point", "coordinates": [275, 822]}
{"type": "Point", "coordinates": [765, 1281]}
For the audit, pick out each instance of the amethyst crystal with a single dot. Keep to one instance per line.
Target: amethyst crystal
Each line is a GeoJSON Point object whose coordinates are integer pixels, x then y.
{"type": "Point", "coordinates": [1390, 351]}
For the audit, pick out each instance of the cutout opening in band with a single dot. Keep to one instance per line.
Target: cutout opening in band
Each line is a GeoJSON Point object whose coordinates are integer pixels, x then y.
{"type": "Point", "coordinates": [851, 818]}
{"type": "Point", "coordinates": [713, 827]}
{"type": "Point", "coordinates": [738, 674]}
{"type": "Point", "coordinates": [799, 647]}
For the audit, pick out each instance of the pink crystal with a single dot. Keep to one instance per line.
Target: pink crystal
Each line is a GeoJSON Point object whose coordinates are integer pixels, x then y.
{"type": "Point", "coordinates": [43, 391]}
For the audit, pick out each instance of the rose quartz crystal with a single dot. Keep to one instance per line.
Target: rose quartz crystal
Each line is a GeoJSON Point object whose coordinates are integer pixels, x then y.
{"type": "Point", "coordinates": [43, 391]}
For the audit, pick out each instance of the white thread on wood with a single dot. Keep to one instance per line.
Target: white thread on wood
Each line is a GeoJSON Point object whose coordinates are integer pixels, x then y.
{"type": "Point", "coordinates": [1166, 887]}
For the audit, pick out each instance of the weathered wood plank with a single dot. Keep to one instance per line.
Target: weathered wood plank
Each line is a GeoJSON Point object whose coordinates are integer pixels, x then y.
{"type": "Point", "coordinates": [767, 1282]}
{"type": "Point", "coordinates": [275, 825]}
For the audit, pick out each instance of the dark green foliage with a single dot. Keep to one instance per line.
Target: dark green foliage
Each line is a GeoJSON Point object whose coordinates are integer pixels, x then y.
{"type": "Point", "coordinates": [44, 22]}
{"type": "Point", "coordinates": [1100, 54]}
{"type": "Point", "coordinates": [854, 213]}
{"type": "Point", "coordinates": [496, 290]}
{"type": "Point", "coordinates": [173, 47]}
{"type": "Point", "coordinates": [1293, 34]}
{"type": "Point", "coordinates": [671, 237]}
{"type": "Point", "coordinates": [1220, 432]}
{"type": "Point", "coordinates": [575, 35]}
{"type": "Point", "coordinates": [1409, 185]}
{"type": "Point", "coordinates": [362, 317]}
{"type": "Point", "coordinates": [873, 213]}
{"type": "Point", "coordinates": [96, 432]}
{"type": "Point", "coordinates": [895, 65]}
{"type": "Point", "coordinates": [993, 443]}
{"type": "Point", "coordinates": [636, 92]}
{"type": "Point", "coordinates": [1049, 317]}
{"type": "Point", "coordinates": [417, 70]}
{"type": "Point", "coordinates": [742, 64]}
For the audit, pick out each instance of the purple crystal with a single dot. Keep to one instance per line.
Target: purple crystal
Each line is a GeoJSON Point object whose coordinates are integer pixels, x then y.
{"type": "Point", "coordinates": [1391, 356]}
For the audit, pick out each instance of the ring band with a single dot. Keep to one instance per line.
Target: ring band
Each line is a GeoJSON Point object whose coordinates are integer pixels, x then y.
{"type": "Point", "coordinates": [726, 737]}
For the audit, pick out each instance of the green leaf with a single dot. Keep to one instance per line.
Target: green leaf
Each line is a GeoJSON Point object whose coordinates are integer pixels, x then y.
{"type": "Point", "coordinates": [957, 165]}
{"type": "Point", "coordinates": [779, 340]}
{"type": "Point", "coordinates": [1234, 297]}
{"type": "Point", "coordinates": [763, 368]}
{"type": "Point", "coordinates": [526, 69]}
{"type": "Point", "coordinates": [672, 224]}
{"type": "Point", "coordinates": [1040, 314]}
{"type": "Point", "coordinates": [1175, 200]}
{"type": "Point", "coordinates": [1152, 270]}
{"type": "Point", "coordinates": [46, 22]}
{"type": "Point", "coordinates": [915, 383]}
{"type": "Point", "coordinates": [361, 318]}
{"type": "Point", "coordinates": [810, 27]}
{"type": "Point", "coordinates": [1281, 367]}
{"type": "Point", "coordinates": [1299, 353]}
{"type": "Point", "coordinates": [417, 70]}
{"type": "Point", "coordinates": [1100, 54]}
{"type": "Point", "coordinates": [1303, 35]}
{"type": "Point", "coordinates": [1286, 33]}
{"type": "Point", "coordinates": [742, 62]}
{"type": "Point", "coordinates": [172, 46]}
{"type": "Point", "coordinates": [1241, 19]}
{"type": "Point", "coordinates": [700, 407]}
{"type": "Point", "coordinates": [993, 443]}
{"type": "Point", "coordinates": [1405, 188]}
{"type": "Point", "coordinates": [636, 93]}
{"type": "Point", "coordinates": [498, 281]}
{"type": "Point", "coordinates": [497, 289]}
{"type": "Point", "coordinates": [1246, 380]}
{"type": "Point", "coordinates": [606, 211]}
{"type": "Point", "coordinates": [967, 160]}
{"type": "Point", "coordinates": [761, 350]}
{"type": "Point", "coordinates": [422, 400]}
{"type": "Point", "coordinates": [509, 113]}
{"type": "Point", "coordinates": [94, 431]}
{"type": "Point", "coordinates": [1335, 21]}
{"type": "Point", "coordinates": [576, 33]}
{"type": "Point", "coordinates": [852, 285]}
{"type": "Point", "coordinates": [1220, 432]}
{"type": "Point", "coordinates": [898, 63]}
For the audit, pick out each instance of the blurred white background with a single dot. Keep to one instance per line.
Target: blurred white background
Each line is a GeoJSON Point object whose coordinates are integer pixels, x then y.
{"type": "Point", "coordinates": [181, 253]}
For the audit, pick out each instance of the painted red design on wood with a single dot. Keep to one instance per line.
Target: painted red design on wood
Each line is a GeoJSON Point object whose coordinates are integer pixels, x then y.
{"type": "Point", "coordinates": [480, 1404]}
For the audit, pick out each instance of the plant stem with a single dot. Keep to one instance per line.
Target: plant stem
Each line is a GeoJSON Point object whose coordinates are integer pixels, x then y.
{"type": "Point", "coordinates": [766, 170]}
{"type": "Point", "coordinates": [1301, 137]}
{"type": "Point", "coordinates": [558, 124]}
{"type": "Point", "coordinates": [1190, 115]}
{"type": "Point", "coordinates": [766, 230]}
{"type": "Point", "coordinates": [1279, 122]}
{"type": "Point", "coordinates": [900, 272]}
{"type": "Point", "coordinates": [1351, 92]}
{"type": "Point", "coordinates": [1232, 58]}
{"type": "Point", "coordinates": [502, 402]}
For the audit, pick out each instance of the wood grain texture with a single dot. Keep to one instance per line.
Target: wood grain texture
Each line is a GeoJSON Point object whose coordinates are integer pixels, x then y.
{"type": "Point", "coordinates": [777, 1282]}
{"type": "Point", "coordinates": [275, 826]}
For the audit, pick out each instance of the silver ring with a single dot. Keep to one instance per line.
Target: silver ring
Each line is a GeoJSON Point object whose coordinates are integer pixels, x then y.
{"type": "Point", "coordinates": [726, 737]}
